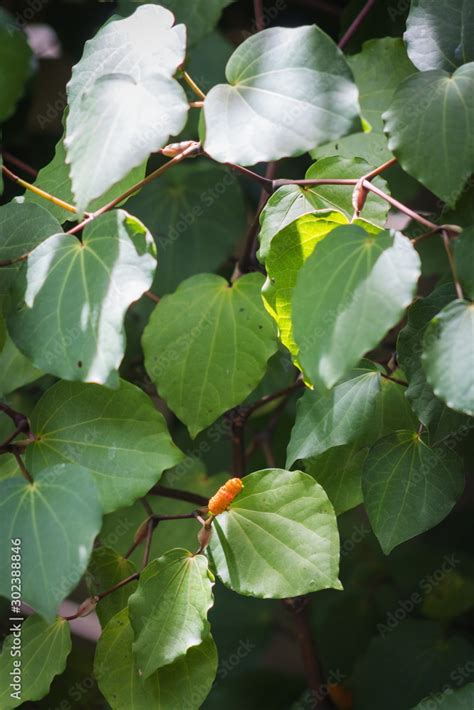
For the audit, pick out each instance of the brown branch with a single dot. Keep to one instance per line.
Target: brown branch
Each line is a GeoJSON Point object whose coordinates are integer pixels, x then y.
{"type": "Point", "coordinates": [394, 379]}
{"type": "Point", "coordinates": [19, 164]}
{"type": "Point", "coordinates": [399, 205]}
{"type": "Point", "coordinates": [21, 465]}
{"type": "Point", "coordinates": [176, 494]}
{"type": "Point", "coordinates": [452, 265]}
{"type": "Point", "coordinates": [192, 149]}
{"type": "Point", "coordinates": [357, 22]}
{"type": "Point", "coordinates": [259, 15]}
{"type": "Point", "coordinates": [152, 296]}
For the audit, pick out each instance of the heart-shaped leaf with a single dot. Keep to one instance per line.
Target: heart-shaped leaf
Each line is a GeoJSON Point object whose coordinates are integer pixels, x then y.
{"type": "Point", "coordinates": [428, 111]}
{"type": "Point", "coordinates": [107, 568]}
{"type": "Point", "coordinates": [339, 472]}
{"type": "Point", "coordinates": [123, 101]}
{"type": "Point", "coordinates": [353, 288]}
{"type": "Point", "coordinates": [279, 79]}
{"type": "Point", "coordinates": [43, 652]}
{"type": "Point", "coordinates": [168, 612]}
{"type": "Point", "coordinates": [57, 519]}
{"type": "Point", "coordinates": [70, 299]}
{"type": "Point", "coordinates": [207, 345]}
{"type": "Point", "coordinates": [440, 35]}
{"type": "Point", "coordinates": [278, 538]}
{"type": "Point", "coordinates": [117, 434]}
{"type": "Point", "coordinates": [448, 355]}
{"type": "Point", "coordinates": [169, 688]}
{"type": "Point", "coordinates": [409, 487]}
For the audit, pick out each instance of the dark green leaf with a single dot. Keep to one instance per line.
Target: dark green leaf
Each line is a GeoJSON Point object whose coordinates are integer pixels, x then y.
{"type": "Point", "coordinates": [339, 472]}
{"type": "Point", "coordinates": [168, 612]}
{"type": "Point", "coordinates": [15, 64]}
{"type": "Point", "coordinates": [448, 356]}
{"type": "Point", "coordinates": [280, 78]}
{"type": "Point", "coordinates": [464, 257]}
{"type": "Point", "coordinates": [117, 434]}
{"type": "Point", "coordinates": [409, 487]}
{"type": "Point", "coordinates": [15, 369]}
{"type": "Point", "coordinates": [368, 282]}
{"type": "Point", "coordinates": [278, 538]}
{"type": "Point", "coordinates": [107, 568]}
{"type": "Point", "coordinates": [206, 346]}
{"type": "Point", "coordinates": [56, 518]}
{"type": "Point", "coordinates": [70, 299]}
{"type": "Point", "coordinates": [429, 125]}
{"type": "Point", "coordinates": [169, 688]}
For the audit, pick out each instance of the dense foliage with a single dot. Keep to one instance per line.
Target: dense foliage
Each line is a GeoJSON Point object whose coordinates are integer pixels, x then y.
{"type": "Point", "coordinates": [176, 312]}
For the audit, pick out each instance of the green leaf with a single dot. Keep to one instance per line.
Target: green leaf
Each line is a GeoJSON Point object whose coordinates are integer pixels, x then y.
{"type": "Point", "coordinates": [439, 34]}
{"type": "Point", "coordinates": [15, 369]}
{"type": "Point", "coordinates": [371, 147]}
{"type": "Point", "coordinates": [284, 207]}
{"type": "Point", "coordinates": [168, 612]}
{"type": "Point", "coordinates": [432, 412]}
{"type": "Point", "coordinates": [107, 568]}
{"type": "Point", "coordinates": [188, 215]}
{"type": "Point", "coordinates": [22, 228]}
{"type": "Point", "coordinates": [199, 16]}
{"type": "Point", "coordinates": [123, 101]}
{"type": "Point", "coordinates": [57, 518]}
{"type": "Point", "coordinates": [429, 111]}
{"type": "Point", "coordinates": [91, 284]}
{"type": "Point", "coordinates": [409, 487]}
{"type": "Point", "coordinates": [448, 356]}
{"type": "Point", "coordinates": [169, 688]}
{"type": "Point", "coordinates": [278, 538]}
{"type": "Point", "coordinates": [378, 70]}
{"type": "Point", "coordinates": [280, 78]}
{"type": "Point", "coordinates": [288, 251]}
{"type": "Point", "coordinates": [332, 418]}
{"type": "Point", "coordinates": [368, 282]}
{"type": "Point", "coordinates": [392, 410]}
{"type": "Point", "coordinates": [54, 178]}
{"type": "Point", "coordinates": [43, 653]}
{"type": "Point", "coordinates": [206, 346]}
{"type": "Point", "coordinates": [464, 257]}
{"type": "Point", "coordinates": [117, 434]}
{"type": "Point", "coordinates": [15, 64]}
{"type": "Point", "coordinates": [459, 699]}
{"type": "Point", "coordinates": [339, 472]}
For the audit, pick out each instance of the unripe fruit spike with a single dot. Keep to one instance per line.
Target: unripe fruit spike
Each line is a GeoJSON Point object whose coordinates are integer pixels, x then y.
{"type": "Point", "coordinates": [224, 496]}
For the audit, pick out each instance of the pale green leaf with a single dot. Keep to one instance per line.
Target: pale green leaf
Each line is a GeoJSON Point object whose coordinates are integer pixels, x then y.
{"type": "Point", "coordinates": [288, 251]}
{"type": "Point", "coordinates": [378, 70]}
{"type": "Point", "coordinates": [169, 688]}
{"type": "Point", "coordinates": [107, 568]}
{"type": "Point", "coordinates": [280, 79]}
{"type": "Point", "coordinates": [278, 538]}
{"type": "Point", "coordinates": [54, 179]}
{"type": "Point", "coordinates": [43, 652]}
{"type": "Point", "coordinates": [448, 356]}
{"type": "Point", "coordinates": [450, 699]}
{"type": "Point", "coordinates": [206, 346]}
{"type": "Point", "coordinates": [15, 369]}
{"type": "Point", "coordinates": [464, 257]}
{"type": "Point", "coordinates": [371, 147]}
{"type": "Point", "coordinates": [331, 418]}
{"type": "Point", "coordinates": [440, 420]}
{"type": "Point", "coordinates": [123, 101]}
{"type": "Point", "coordinates": [284, 207]}
{"type": "Point", "coordinates": [70, 299]}
{"type": "Point", "coordinates": [57, 518]}
{"type": "Point", "coordinates": [15, 64]}
{"type": "Point", "coordinates": [368, 281]}
{"type": "Point", "coordinates": [168, 611]}
{"type": "Point", "coordinates": [199, 16]}
{"type": "Point", "coordinates": [430, 123]}
{"type": "Point", "coordinates": [117, 434]}
{"type": "Point", "coordinates": [440, 33]}
{"type": "Point", "coordinates": [339, 472]}
{"type": "Point", "coordinates": [409, 487]}
{"type": "Point", "coordinates": [196, 213]}
{"type": "Point", "coordinates": [22, 228]}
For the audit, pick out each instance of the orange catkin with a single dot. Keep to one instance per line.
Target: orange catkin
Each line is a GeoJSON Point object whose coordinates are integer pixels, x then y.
{"type": "Point", "coordinates": [224, 496]}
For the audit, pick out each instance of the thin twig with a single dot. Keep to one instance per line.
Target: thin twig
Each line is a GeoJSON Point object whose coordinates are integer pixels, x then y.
{"type": "Point", "coordinates": [192, 85]}
{"type": "Point", "coordinates": [176, 494]}
{"type": "Point", "coordinates": [452, 265]}
{"type": "Point", "coordinates": [263, 181]}
{"type": "Point", "coordinates": [37, 191]}
{"type": "Point", "coordinates": [399, 205]}
{"type": "Point", "coordinates": [394, 379]}
{"type": "Point", "coordinates": [12, 262]}
{"type": "Point", "coordinates": [21, 465]}
{"type": "Point", "coordinates": [152, 296]}
{"type": "Point", "coordinates": [19, 164]}
{"type": "Point", "coordinates": [259, 15]}
{"type": "Point", "coordinates": [356, 23]}
{"type": "Point", "coordinates": [150, 529]}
